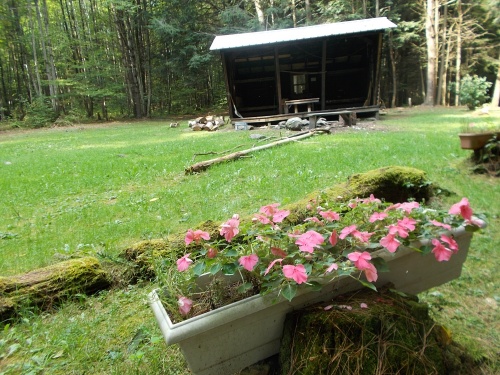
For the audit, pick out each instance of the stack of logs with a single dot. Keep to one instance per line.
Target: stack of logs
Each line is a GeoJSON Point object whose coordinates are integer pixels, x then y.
{"type": "Point", "coordinates": [208, 123]}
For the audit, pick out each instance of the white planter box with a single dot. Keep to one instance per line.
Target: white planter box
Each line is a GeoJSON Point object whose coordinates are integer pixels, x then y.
{"type": "Point", "coordinates": [230, 338]}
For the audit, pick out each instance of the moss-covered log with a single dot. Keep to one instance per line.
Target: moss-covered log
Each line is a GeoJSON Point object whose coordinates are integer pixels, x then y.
{"type": "Point", "coordinates": [394, 184]}
{"type": "Point", "coordinates": [391, 334]}
{"type": "Point", "coordinates": [45, 287]}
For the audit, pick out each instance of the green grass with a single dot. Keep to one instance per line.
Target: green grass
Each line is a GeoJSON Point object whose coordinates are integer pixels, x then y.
{"type": "Point", "coordinates": [90, 189]}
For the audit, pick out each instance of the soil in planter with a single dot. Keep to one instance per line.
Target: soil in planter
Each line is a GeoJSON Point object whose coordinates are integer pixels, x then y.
{"type": "Point", "coordinates": [391, 334]}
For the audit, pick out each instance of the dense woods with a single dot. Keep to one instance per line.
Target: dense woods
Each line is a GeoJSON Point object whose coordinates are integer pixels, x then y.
{"type": "Point", "coordinates": [68, 60]}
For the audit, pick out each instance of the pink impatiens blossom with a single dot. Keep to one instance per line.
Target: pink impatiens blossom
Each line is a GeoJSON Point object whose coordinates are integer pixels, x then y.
{"type": "Point", "coordinates": [333, 238]}
{"type": "Point", "coordinates": [272, 211]}
{"type": "Point", "coordinates": [362, 236]}
{"type": "Point", "coordinates": [309, 240]}
{"type": "Point", "coordinates": [363, 305]}
{"type": "Point", "coordinates": [407, 223]}
{"type": "Point", "coordinates": [390, 242]}
{"type": "Point", "coordinates": [248, 261]}
{"type": "Point", "coordinates": [262, 218]}
{"type": "Point", "coordinates": [184, 262]}
{"type": "Point", "coordinates": [196, 236]}
{"type": "Point", "coordinates": [452, 244]}
{"type": "Point", "coordinates": [441, 253]}
{"type": "Point", "coordinates": [408, 206]}
{"type": "Point", "coordinates": [399, 230]}
{"type": "Point", "coordinates": [185, 305]}
{"type": "Point", "coordinates": [329, 215]}
{"type": "Point", "coordinates": [333, 266]}
{"type": "Point", "coordinates": [271, 265]}
{"type": "Point", "coordinates": [371, 198]}
{"type": "Point", "coordinates": [297, 273]}
{"type": "Point", "coordinates": [211, 253]}
{"type": "Point", "coordinates": [269, 209]}
{"type": "Point", "coordinates": [230, 228]}
{"type": "Point", "coordinates": [439, 224]}
{"type": "Point", "coordinates": [462, 208]}
{"type": "Point", "coordinates": [280, 215]}
{"type": "Point", "coordinates": [360, 260]}
{"type": "Point", "coordinates": [377, 216]}
{"type": "Point", "coordinates": [347, 231]}
{"type": "Point", "coordinates": [315, 220]}
{"type": "Point", "coordinates": [371, 273]}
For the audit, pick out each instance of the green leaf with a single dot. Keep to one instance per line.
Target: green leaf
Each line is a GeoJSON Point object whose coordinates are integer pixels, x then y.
{"type": "Point", "coordinates": [244, 287]}
{"type": "Point", "coordinates": [215, 268]}
{"type": "Point", "coordinates": [229, 269]}
{"type": "Point", "coordinates": [368, 285]}
{"type": "Point", "coordinates": [199, 268]}
{"type": "Point", "coordinates": [231, 253]}
{"type": "Point", "coordinates": [289, 291]}
{"type": "Point", "coordinates": [315, 286]}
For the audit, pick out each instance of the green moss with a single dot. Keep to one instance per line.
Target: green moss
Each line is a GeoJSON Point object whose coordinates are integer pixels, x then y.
{"type": "Point", "coordinates": [393, 335]}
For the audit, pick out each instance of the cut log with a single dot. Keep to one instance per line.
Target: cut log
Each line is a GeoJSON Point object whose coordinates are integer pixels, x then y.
{"type": "Point", "coordinates": [45, 287]}
{"type": "Point", "coordinates": [201, 166]}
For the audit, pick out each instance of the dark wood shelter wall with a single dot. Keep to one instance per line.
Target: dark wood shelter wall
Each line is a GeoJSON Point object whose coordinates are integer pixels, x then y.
{"type": "Point", "coordinates": [341, 72]}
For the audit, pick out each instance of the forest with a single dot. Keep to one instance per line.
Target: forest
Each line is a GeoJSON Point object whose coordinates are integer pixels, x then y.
{"type": "Point", "coordinates": [66, 61]}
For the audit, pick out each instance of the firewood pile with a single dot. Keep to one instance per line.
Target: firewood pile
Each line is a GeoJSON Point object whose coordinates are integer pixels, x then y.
{"type": "Point", "coordinates": [207, 123]}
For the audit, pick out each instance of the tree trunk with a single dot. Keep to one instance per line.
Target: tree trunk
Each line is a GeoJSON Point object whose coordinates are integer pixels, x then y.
{"type": "Point", "coordinates": [442, 78]}
{"type": "Point", "coordinates": [308, 12]}
{"type": "Point", "coordinates": [495, 99]}
{"type": "Point", "coordinates": [458, 62]}
{"type": "Point", "coordinates": [45, 287]}
{"type": "Point", "coordinates": [260, 13]}
{"type": "Point", "coordinates": [393, 71]}
{"type": "Point", "coordinates": [431, 54]}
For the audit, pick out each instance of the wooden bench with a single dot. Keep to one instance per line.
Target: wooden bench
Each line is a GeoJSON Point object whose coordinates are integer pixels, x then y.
{"type": "Point", "coordinates": [297, 102]}
{"type": "Point", "coordinates": [348, 117]}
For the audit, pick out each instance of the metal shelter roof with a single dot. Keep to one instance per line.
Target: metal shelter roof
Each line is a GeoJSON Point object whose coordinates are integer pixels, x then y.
{"type": "Point", "coordinates": [300, 33]}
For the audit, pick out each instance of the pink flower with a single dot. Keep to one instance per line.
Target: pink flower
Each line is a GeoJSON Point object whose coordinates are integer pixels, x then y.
{"type": "Point", "coordinates": [309, 240]}
{"type": "Point", "coordinates": [248, 261]}
{"type": "Point", "coordinates": [262, 218]}
{"type": "Point", "coordinates": [352, 204]}
{"type": "Point", "coordinates": [230, 228]}
{"type": "Point", "coordinates": [441, 253]}
{"type": "Point", "coordinates": [399, 230]}
{"type": "Point", "coordinates": [314, 219]}
{"type": "Point", "coordinates": [407, 223]}
{"type": "Point", "coordinates": [271, 210]}
{"type": "Point", "coordinates": [333, 266]}
{"type": "Point", "coordinates": [333, 238]}
{"type": "Point", "coordinates": [329, 215]}
{"type": "Point", "coordinates": [371, 273]}
{"type": "Point", "coordinates": [196, 236]}
{"type": "Point", "coordinates": [278, 252]}
{"type": "Point", "coordinates": [297, 273]}
{"type": "Point", "coordinates": [347, 231]}
{"type": "Point", "coordinates": [390, 242]}
{"type": "Point", "coordinates": [371, 198]}
{"type": "Point", "coordinates": [362, 236]}
{"type": "Point", "coordinates": [280, 215]}
{"type": "Point", "coordinates": [271, 265]}
{"type": "Point", "coordinates": [462, 208]}
{"type": "Point", "coordinates": [452, 244]}
{"type": "Point", "coordinates": [184, 262]}
{"type": "Point", "coordinates": [185, 305]}
{"type": "Point", "coordinates": [211, 253]}
{"type": "Point", "coordinates": [439, 224]}
{"type": "Point", "coordinates": [408, 206]}
{"type": "Point", "coordinates": [363, 305]}
{"type": "Point", "coordinates": [377, 216]}
{"type": "Point", "coordinates": [360, 260]}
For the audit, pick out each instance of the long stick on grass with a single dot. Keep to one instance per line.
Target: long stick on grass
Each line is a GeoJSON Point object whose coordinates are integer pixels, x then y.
{"type": "Point", "coordinates": [201, 166]}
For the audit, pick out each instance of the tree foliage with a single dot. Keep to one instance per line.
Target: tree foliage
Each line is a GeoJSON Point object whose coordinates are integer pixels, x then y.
{"type": "Point", "coordinates": [143, 58]}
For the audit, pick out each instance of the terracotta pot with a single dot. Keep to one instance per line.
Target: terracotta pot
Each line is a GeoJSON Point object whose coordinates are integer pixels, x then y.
{"type": "Point", "coordinates": [230, 338]}
{"type": "Point", "coordinates": [475, 141]}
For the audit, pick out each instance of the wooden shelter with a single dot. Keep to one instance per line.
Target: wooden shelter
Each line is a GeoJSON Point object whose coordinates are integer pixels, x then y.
{"type": "Point", "coordinates": [322, 70]}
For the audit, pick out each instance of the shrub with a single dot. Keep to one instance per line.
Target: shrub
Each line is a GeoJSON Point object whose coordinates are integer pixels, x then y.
{"type": "Point", "coordinates": [473, 91]}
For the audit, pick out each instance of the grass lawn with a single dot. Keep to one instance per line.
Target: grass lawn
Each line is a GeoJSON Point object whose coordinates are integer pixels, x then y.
{"type": "Point", "coordinates": [97, 189]}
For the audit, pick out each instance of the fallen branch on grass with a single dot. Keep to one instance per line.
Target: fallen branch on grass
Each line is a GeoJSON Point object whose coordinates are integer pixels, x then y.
{"type": "Point", "coordinates": [201, 166]}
